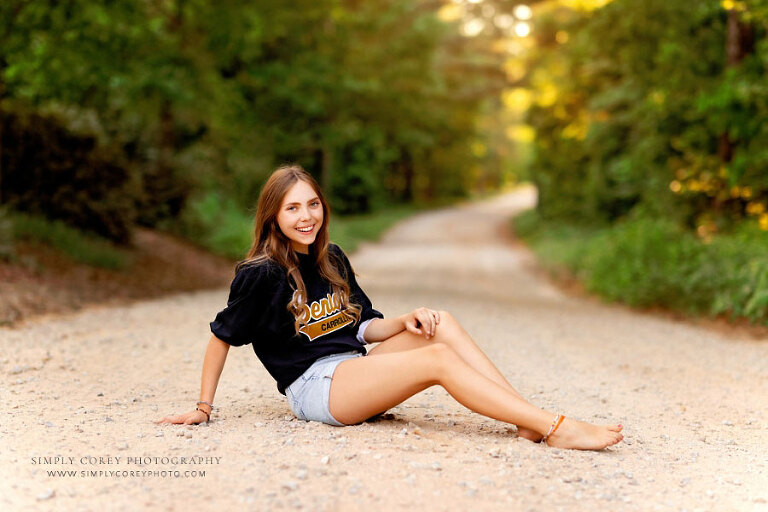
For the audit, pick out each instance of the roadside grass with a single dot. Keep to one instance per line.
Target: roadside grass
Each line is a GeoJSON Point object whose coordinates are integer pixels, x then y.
{"type": "Point", "coordinates": [349, 232]}
{"type": "Point", "coordinates": [213, 223]}
{"type": "Point", "coordinates": [79, 246]}
{"type": "Point", "coordinates": [653, 262]}
{"type": "Point", "coordinates": [218, 225]}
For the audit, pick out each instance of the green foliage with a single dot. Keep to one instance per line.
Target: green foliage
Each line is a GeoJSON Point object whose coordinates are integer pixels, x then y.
{"type": "Point", "coordinates": [349, 232]}
{"type": "Point", "coordinates": [654, 262]}
{"type": "Point", "coordinates": [652, 110]}
{"type": "Point", "coordinates": [648, 262]}
{"type": "Point", "coordinates": [51, 171]}
{"type": "Point", "coordinates": [650, 152]}
{"type": "Point", "coordinates": [221, 226]}
{"type": "Point", "coordinates": [379, 100]}
{"type": "Point", "coordinates": [6, 235]}
{"type": "Point", "coordinates": [743, 287]}
{"type": "Point", "coordinates": [218, 224]}
{"type": "Point", "coordinates": [79, 246]}
{"type": "Point", "coordinates": [556, 243]}
{"type": "Point", "coordinates": [360, 98]}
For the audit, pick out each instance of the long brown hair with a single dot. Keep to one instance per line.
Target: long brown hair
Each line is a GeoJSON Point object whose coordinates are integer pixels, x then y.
{"type": "Point", "coordinates": [269, 243]}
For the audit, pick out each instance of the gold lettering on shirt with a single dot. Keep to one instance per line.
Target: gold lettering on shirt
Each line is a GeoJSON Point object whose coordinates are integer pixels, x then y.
{"type": "Point", "coordinates": [323, 317]}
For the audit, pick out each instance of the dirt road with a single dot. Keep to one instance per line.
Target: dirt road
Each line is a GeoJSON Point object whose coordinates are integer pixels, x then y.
{"type": "Point", "coordinates": [86, 388]}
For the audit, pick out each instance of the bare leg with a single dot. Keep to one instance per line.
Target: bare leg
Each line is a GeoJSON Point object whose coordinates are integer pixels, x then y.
{"type": "Point", "coordinates": [451, 333]}
{"type": "Point", "coordinates": [365, 386]}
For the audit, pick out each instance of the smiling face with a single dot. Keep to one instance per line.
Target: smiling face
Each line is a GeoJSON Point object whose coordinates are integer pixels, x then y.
{"type": "Point", "coordinates": [300, 216]}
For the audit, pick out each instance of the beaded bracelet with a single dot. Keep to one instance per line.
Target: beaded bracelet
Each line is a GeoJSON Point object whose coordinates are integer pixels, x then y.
{"type": "Point", "coordinates": [555, 424]}
{"type": "Point", "coordinates": [206, 413]}
{"type": "Point", "coordinates": [208, 416]}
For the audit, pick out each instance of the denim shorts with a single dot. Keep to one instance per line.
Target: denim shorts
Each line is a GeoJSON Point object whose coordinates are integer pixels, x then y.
{"type": "Point", "coordinates": [308, 395]}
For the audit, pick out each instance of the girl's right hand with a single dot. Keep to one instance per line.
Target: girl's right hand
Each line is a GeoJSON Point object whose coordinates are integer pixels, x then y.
{"type": "Point", "coordinates": [422, 321]}
{"type": "Point", "coordinates": [189, 418]}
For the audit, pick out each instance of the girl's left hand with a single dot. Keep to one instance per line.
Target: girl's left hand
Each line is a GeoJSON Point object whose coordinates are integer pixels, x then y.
{"type": "Point", "coordinates": [422, 321]}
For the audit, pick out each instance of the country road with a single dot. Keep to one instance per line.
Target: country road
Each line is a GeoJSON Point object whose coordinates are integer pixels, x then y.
{"type": "Point", "coordinates": [80, 393]}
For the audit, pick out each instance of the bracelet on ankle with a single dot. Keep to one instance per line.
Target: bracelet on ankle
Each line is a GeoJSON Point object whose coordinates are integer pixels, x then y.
{"type": "Point", "coordinates": [208, 416]}
{"type": "Point", "coordinates": [555, 424]}
{"type": "Point", "coordinates": [206, 403]}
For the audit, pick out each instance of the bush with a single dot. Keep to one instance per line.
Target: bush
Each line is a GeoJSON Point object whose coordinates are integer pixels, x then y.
{"type": "Point", "coordinates": [79, 246]}
{"type": "Point", "coordinates": [648, 262]}
{"type": "Point", "coordinates": [742, 261]}
{"type": "Point", "coordinates": [6, 235]}
{"type": "Point", "coordinates": [51, 172]}
{"type": "Point", "coordinates": [655, 262]}
{"type": "Point", "coordinates": [217, 223]}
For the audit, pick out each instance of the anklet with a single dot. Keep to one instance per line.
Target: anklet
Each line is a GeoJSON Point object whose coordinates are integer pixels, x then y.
{"type": "Point", "coordinates": [556, 423]}
{"type": "Point", "coordinates": [207, 415]}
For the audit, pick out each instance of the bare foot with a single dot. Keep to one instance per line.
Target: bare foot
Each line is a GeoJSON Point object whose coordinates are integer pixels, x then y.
{"type": "Point", "coordinates": [579, 435]}
{"type": "Point", "coordinates": [528, 434]}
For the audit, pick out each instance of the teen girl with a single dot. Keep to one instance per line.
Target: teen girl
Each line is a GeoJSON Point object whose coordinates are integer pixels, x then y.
{"type": "Point", "coordinates": [296, 300]}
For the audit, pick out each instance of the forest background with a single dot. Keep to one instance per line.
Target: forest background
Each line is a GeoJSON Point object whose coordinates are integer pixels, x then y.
{"type": "Point", "coordinates": [642, 124]}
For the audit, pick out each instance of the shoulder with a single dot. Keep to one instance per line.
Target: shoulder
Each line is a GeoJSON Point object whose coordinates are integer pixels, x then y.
{"type": "Point", "coordinates": [256, 273]}
{"type": "Point", "coordinates": [337, 256]}
{"type": "Point", "coordinates": [263, 267]}
{"type": "Point", "coordinates": [339, 259]}
{"type": "Point", "coordinates": [335, 250]}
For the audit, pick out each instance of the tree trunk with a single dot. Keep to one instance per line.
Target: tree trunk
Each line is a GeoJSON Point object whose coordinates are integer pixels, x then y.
{"type": "Point", "coordinates": [167, 139]}
{"type": "Point", "coordinates": [325, 169]}
{"type": "Point", "coordinates": [167, 132]}
{"type": "Point", "coordinates": [740, 40]}
{"type": "Point", "coordinates": [1, 151]}
{"type": "Point", "coordinates": [17, 8]}
{"type": "Point", "coordinates": [2, 122]}
{"type": "Point", "coordinates": [406, 165]}
{"type": "Point", "coordinates": [739, 43]}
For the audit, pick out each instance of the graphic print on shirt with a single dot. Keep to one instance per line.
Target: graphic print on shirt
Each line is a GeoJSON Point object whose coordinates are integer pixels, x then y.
{"type": "Point", "coordinates": [322, 316]}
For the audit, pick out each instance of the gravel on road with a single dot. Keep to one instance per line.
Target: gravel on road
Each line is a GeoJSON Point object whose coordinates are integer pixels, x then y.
{"type": "Point", "coordinates": [81, 393]}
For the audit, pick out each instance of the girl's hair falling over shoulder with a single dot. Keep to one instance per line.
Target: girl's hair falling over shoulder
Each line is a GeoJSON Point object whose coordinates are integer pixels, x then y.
{"type": "Point", "coordinates": [270, 244]}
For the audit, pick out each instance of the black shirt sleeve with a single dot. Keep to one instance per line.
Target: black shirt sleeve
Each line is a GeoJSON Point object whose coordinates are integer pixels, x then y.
{"type": "Point", "coordinates": [247, 307]}
{"type": "Point", "coordinates": [358, 296]}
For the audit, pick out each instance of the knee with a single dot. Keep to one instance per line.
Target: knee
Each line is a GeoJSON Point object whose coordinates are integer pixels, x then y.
{"type": "Point", "coordinates": [448, 321]}
{"type": "Point", "coordinates": [443, 357]}
{"type": "Point", "coordinates": [440, 351]}
{"type": "Point", "coordinates": [448, 330]}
